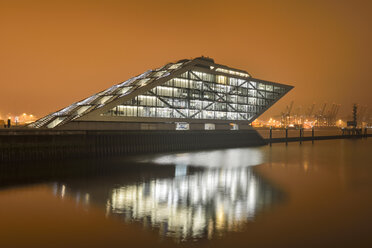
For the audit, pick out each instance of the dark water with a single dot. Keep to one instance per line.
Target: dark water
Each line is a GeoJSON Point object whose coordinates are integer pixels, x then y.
{"type": "Point", "coordinates": [281, 196]}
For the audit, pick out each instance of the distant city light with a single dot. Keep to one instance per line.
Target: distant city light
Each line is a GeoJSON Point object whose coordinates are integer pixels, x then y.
{"type": "Point", "coordinates": [296, 123]}
{"type": "Point", "coordinates": [21, 119]}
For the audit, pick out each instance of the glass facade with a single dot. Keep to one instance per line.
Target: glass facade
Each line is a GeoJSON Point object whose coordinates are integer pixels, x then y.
{"type": "Point", "coordinates": [200, 95]}
{"type": "Point", "coordinates": [187, 90]}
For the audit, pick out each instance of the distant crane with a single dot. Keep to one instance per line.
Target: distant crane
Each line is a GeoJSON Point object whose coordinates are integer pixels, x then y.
{"type": "Point", "coordinates": [335, 113]}
{"type": "Point", "coordinates": [320, 116]}
{"type": "Point", "coordinates": [311, 111]}
{"type": "Point", "coordinates": [332, 115]}
{"type": "Point", "coordinates": [286, 116]}
{"type": "Point", "coordinates": [324, 107]}
{"type": "Point", "coordinates": [323, 115]}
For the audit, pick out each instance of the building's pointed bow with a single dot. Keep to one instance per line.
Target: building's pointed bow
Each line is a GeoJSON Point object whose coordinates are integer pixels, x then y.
{"type": "Point", "coordinates": [190, 91]}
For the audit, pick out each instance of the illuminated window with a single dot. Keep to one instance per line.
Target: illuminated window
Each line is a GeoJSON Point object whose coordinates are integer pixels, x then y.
{"type": "Point", "coordinates": [82, 109]}
{"type": "Point", "coordinates": [209, 126]}
{"type": "Point", "coordinates": [124, 90]}
{"type": "Point", "coordinates": [104, 99]}
{"type": "Point", "coordinates": [55, 122]}
{"type": "Point", "coordinates": [221, 79]}
{"type": "Point", "coordinates": [175, 66]}
{"type": "Point", "coordinates": [143, 82]}
{"type": "Point", "coordinates": [159, 73]}
{"type": "Point", "coordinates": [234, 126]}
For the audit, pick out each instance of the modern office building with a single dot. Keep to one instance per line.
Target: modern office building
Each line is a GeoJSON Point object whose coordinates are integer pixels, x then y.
{"type": "Point", "coordinates": [192, 94]}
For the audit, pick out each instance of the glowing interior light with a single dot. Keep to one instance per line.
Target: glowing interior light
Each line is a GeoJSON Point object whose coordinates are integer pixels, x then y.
{"type": "Point", "coordinates": [55, 122]}
{"type": "Point", "coordinates": [241, 74]}
{"type": "Point", "coordinates": [143, 82]}
{"type": "Point", "coordinates": [125, 90]}
{"type": "Point", "coordinates": [221, 79]}
{"type": "Point", "coordinates": [82, 109]}
{"type": "Point", "coordinates": [104, 99]}
{"type": "Point", "coordinates": [160, 73]}
{"type": "Point", "coordinates": [175, 66]}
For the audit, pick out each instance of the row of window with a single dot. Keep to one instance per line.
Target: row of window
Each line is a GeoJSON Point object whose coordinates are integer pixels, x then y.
{"type": "Point", "coordinates": [199, 94]}
{"type": "Point", "coordinates": [207, 99]}
{"type": "Point", "coordinates": [134, 111]}
{"type": "Point", "coordinates": [153, 101]}
{"type": "Point", "coordinates": [167, 91]}
{"type": "Point", "coordinates": [190, 80]}
{"type": "Point", "coordinates": [161, 101]}
{"type": "Point", "coordinates": [238, 86]}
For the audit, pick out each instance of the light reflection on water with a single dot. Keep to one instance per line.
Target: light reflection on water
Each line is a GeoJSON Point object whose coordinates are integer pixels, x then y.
{"type": "Point", "coordinates": [195, 205]}
{"type": "Point", "coordinates": [238, 157]}
{"type": "Point", "coordinates": [221, 195]}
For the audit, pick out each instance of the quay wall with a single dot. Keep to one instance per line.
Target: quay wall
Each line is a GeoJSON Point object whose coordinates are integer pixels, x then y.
{"type": "Point", "coordinates": [309, 138]}
{"type": "Point", "coordinates": [26, 145]}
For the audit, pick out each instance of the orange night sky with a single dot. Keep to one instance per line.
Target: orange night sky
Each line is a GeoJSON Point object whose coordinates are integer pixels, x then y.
{"type": "Point", "coordinates": [53, 53]}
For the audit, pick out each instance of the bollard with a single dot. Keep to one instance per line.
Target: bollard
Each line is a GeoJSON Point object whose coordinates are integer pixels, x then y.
{"type": "Point", "coordinates": [312, 134]}
{"type": "Point", "coordinates": [365, 133]}
{"type": "Point", "coordinates": [286, 136]}
{"type": "Point", "coordinates": [300, 135]}
{"type": "Point", "coordinates": [271, 135]}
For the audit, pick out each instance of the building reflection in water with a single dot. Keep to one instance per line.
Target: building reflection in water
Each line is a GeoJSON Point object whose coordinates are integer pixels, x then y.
{"type": "Point", "coordinates": [191, 204]}
{"type": "Point", "coordinates": [194, 206]}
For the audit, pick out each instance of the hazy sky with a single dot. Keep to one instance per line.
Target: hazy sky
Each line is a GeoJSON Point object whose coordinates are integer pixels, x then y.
{"type": "Point", "coordinates": [53, 53]}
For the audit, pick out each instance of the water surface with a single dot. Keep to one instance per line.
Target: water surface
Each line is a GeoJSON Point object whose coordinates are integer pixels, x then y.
{"type": "Point", "coordinates": [281, 196]}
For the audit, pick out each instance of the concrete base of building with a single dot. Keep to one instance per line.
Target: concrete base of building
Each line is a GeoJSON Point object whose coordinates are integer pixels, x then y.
{"type": "Point", "coordinates": [107, 125]}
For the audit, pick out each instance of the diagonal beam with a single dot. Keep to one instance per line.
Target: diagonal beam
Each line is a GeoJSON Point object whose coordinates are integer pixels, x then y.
{"type": "Point", "coordinates": [260, 94]}
{"type": "Point", "coordinates": [196, 76]}
{"type": "Point", "coordinates": [235, 87]}
{"type": "Point", "coordinates": [202, 109]}
{"type": "Point", "coordinates": [256, 90]}
{"type": "Point", "coordinates": [252, 85]}
{"type": "Point", "coordinates": [166, 103]}
{"type": "Point", "coordinates": [215, 92]}
{"type": "Point", "coordinates": [240, 85]}
{"type": "Point", "coordinates": [236, 110]}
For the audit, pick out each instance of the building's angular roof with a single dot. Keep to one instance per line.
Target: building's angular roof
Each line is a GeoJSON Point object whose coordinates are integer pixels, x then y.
{"type": "Point", "coordinates": [119, 93]}
{"type": "Point", "coordinates": [109, 95]}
